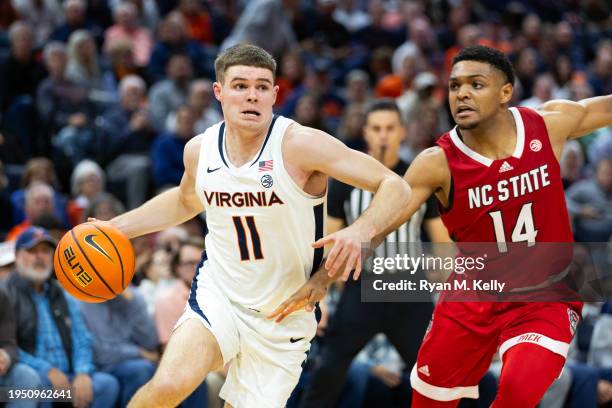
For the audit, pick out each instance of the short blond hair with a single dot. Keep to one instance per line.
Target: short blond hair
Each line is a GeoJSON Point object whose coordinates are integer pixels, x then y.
{"type": "Point", "coordinates": [243, 54]}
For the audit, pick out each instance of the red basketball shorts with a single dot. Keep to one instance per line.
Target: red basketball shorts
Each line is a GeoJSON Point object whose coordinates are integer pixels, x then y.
{"type": "Point", "coordinates": [463, 337]}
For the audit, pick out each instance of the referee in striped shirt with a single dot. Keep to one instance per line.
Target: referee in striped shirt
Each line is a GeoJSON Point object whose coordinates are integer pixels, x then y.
{"type": "Point", "coordinates": [355, 323]}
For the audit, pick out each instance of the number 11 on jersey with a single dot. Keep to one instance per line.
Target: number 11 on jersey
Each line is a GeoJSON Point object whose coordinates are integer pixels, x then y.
{"type": "Point", "coordinates": [242, 239]}
{"type": "Point", "coordinates": [524, 229]}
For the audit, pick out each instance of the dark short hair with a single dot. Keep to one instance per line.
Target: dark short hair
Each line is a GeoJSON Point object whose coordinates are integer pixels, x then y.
{"type": "Point", "coordinates": [491, 56]}
{"type": "Point", "coordinates": [384, 104]}
{"type": "Point", "coordinates": [243, 54]}
{"type": "Point", "coordinates": [193, 241]}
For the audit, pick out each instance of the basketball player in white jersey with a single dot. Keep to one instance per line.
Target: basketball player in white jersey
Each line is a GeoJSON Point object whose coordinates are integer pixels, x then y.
{"type": "Point", "coordinates": [262, 181]}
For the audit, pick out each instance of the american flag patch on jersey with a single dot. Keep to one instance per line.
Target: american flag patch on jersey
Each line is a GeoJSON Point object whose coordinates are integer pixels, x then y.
{"type": "Point", "coordinates": [266, 165]}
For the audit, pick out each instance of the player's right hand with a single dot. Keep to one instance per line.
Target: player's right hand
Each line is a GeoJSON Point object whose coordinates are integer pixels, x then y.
{"type": "Point", "coordinates": [100, 222]}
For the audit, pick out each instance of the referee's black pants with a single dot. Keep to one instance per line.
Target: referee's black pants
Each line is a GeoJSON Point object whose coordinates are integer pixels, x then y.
{"type": "Point", "coordinates": [351, 327]}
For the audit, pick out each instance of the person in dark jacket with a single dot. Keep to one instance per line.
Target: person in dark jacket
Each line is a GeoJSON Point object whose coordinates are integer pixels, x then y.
{"type": "Point", "coordinates": [51, 335]}
{"type": "Point", "coordinates": [125, 139]}
{"type": "Point", "coordinates": [13, 374]}
{"type": "Point", "coordinates": [167, 151]}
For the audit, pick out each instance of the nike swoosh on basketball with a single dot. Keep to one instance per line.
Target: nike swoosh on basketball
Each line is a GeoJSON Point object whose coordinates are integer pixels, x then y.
{"type": "Point", "coordinates": [209, 170]}
{"type": "Point", "coordinates": [90, 241]}
{"type": "Point", "coordinates": [292, 340]}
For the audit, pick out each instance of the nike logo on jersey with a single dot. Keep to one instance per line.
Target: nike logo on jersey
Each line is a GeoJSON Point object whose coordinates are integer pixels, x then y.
{"type": "Point", "coordinates": [292, 340]}
{"type": "Point", "coordinates": [89, 239]}
{"type": "Point", "coordinates": [209, 170]}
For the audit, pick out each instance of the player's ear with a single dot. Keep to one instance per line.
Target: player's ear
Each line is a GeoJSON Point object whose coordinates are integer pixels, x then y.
{"type": "Point", "coordinates": [275, 89]}
{"type": "Point", "coordinates": [506, 93]}
{"type": "Point", "coordinates": [217, 90]}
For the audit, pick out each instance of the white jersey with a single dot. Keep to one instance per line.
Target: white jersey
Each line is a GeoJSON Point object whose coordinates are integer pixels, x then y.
{"type": "Point", "coordinates": [261, 224]}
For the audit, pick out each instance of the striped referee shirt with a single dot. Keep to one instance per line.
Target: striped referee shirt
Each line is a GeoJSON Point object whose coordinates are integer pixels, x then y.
{"type": "Point", "coordinates": [347, 203]}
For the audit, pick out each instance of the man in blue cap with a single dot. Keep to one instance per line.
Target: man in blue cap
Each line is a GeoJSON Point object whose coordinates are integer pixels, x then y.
{"type": "Point", "coordinates": [51, 335]}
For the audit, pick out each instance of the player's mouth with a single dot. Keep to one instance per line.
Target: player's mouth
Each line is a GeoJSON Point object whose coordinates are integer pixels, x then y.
{"type": "Point", "coordinates": [251, 114]}
{"type": "Point", "coordinates": [464, 111]}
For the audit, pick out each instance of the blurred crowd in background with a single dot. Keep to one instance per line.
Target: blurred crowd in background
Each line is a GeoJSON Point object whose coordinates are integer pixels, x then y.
{"type": "Point", "coordinates": [99, 97]}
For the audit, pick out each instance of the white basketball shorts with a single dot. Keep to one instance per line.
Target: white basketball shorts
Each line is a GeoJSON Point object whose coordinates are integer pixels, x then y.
{"type": "Point", "coordinates": [265, 357]}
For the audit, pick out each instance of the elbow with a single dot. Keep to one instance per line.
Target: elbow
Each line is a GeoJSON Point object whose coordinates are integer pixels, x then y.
{"type": "Point", "coordinates": [402, 188]}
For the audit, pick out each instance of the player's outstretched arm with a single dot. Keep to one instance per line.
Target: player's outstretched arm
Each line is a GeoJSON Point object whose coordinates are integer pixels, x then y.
{"type": "Point", "coordinates": [427, 175]}
{"type": "Point", "coordinates": [567, 119]}
{"type": "Point", "coordinates": [311, 151]}
{"type": "Point", "coordinates": [173, 206]}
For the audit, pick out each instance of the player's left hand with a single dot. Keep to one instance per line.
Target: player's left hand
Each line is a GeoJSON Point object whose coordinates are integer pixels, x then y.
{"type": "Point", "coordinates": [305, 298]}
{"type": "Point", "coordinates": [345, 251]}
{"type": "Point", "coordinates": [83, 391]}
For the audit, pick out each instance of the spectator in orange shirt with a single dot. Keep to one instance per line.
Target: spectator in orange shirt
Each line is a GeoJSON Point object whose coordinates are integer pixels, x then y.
{"type": "Point", "coordinates": [198, 22]}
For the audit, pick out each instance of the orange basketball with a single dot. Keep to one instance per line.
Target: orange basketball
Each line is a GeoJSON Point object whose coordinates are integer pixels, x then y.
{"type": "Point", "coordinates": [94, 262]}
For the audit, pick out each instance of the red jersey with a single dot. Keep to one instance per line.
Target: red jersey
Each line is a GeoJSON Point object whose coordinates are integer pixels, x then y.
{"type": "Point", "coordinates": [516, 204]}
{"type": "Point", "coordinates": [518, 199]}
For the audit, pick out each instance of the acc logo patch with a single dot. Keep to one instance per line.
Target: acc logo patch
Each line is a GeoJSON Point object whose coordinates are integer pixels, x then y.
{"type": "Point", "coordinates": [266, 181]}
{"type": "Point", "coordinates": [535, 145]}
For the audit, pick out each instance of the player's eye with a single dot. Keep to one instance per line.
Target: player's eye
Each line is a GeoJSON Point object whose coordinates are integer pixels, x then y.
{"type": "Point", "coordinates": [240, 86]}
{"type": "Point", "coordinates": [478, 85]}
{"type": "Point", "coordinates": [262, 87]}
{"type": "Point", "coordinates": [453, 87]}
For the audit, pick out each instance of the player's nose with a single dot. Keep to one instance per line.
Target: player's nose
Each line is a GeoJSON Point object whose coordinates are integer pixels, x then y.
{"type": "Point", "coordinates": [252, 95]}
{"type": "Point", "coordinates": [462, 92]}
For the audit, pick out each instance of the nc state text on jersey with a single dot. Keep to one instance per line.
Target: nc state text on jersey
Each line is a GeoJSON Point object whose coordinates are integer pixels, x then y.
{"type": "Point", "coordinates": [513, 187]}
{"type": "Point", "coordinates": [242, 199]}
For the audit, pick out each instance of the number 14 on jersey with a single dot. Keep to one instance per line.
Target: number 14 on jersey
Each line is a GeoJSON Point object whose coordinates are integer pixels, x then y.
{"type": "Point", "coordinates": [524, 228]}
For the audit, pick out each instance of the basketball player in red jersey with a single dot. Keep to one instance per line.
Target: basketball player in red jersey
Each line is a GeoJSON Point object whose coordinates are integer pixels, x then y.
{"type": "Point", "coordinates": [497, 177]}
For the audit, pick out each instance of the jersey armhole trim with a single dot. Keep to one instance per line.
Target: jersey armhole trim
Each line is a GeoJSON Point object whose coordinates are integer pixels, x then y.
{"type": "Point", "coordinates": [200, 166]}
{"type": "Point", "coordinates": [220, 143]}
{"type": "Point", "coordinates": [451, 197]}
{"type": "Point", "coordinates": [538, 116]}
{"type": "Point", "coordinates": [298, 189]}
